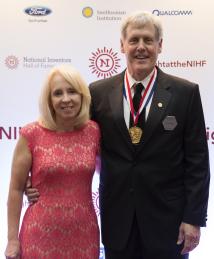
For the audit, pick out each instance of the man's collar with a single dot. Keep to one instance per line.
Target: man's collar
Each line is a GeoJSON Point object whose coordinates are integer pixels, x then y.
{"type": "Point", "coordinates": [145, 81]}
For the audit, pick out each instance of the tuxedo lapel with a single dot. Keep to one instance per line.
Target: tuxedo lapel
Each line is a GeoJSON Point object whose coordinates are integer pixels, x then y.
{"type": "Point", "coordinates": [158, 107]}
{"type": "Point", "coordinates": [116, 105]}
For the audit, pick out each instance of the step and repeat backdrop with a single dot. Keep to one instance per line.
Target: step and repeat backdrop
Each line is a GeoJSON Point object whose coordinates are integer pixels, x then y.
{"type": "Point", "coordinates": [37, 35]}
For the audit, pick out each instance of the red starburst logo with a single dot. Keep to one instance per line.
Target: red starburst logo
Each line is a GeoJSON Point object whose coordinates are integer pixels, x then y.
{"type": "Point", "coordinates": [12, 62]}
{"type": "Point", "coordinates": [104, 62]}
{"type": "Point", "coordinates": [95, 198]}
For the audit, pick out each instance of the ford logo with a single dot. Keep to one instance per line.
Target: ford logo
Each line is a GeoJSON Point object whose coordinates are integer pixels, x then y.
{"type": "Point", "coordinates": [37, 11]}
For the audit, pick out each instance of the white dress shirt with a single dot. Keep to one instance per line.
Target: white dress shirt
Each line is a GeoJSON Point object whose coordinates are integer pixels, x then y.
{"type": "Point", "coordinates": [132, 82]}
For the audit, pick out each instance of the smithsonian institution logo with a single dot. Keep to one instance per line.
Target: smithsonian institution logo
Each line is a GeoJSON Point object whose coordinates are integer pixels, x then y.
{"type": "Point", "coordinates": [87, 12]}
{"type": "Point", "coordinates": [104, 62]}
{"type": "Point", "coordinates": [103, 15]}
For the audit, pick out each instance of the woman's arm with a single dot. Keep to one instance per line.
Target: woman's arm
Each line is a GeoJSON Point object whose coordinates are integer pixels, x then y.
{"type": "Point", "coordinates": [21, 165]}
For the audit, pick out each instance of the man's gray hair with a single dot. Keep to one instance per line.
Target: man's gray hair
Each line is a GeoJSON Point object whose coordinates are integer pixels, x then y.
{"type": "Point", "coordinates": [139, 19]}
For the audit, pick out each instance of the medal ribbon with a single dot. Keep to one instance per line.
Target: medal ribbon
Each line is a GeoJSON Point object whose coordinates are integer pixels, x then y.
{"type": "Point", "coordinates": [147, 94]}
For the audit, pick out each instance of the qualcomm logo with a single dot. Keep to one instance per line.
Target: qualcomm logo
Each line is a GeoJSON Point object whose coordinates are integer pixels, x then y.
{"type": "Point", "coordinates": [37, 11]}
{"type": "Point", "coordinates": [172, 12]}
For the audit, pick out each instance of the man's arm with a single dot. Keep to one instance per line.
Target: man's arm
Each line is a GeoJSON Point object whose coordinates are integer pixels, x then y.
{"type": "Point", "coordinates": [196, 162]}
{"type": "Point", "coordinates": [31, 193]}
{"type": "Point", "coordinates": [197, 175]}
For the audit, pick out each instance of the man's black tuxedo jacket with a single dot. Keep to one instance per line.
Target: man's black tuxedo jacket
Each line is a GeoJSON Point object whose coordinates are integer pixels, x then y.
{"type": "Point", "coordinates": [164, 180]}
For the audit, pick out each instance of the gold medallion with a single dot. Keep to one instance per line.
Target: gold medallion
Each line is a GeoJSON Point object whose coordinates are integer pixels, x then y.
{"type": "Point", "coordinates": [135, 134]}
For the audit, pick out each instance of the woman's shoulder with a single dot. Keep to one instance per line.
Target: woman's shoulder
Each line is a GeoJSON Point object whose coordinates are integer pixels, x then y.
{"type": "Point", "coordinates": [92, 128]}
{"type": "Point", "coordinates": [30, 128]}
{"type": "Point", "coordinates": [93, 124]}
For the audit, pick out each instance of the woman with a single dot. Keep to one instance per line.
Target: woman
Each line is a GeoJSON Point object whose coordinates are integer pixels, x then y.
{"type": "Point", "coordinates": [60, 152]}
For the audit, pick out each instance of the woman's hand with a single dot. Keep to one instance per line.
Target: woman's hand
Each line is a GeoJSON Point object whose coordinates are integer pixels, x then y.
{"type": "Point", "coordinates": [13, 250]}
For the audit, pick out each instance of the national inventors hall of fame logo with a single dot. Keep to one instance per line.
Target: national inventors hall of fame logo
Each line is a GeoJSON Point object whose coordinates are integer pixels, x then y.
{"type": "Point", "coordinates": [11, 62]}
{"type": "Point", "coordinates": [104, 62]}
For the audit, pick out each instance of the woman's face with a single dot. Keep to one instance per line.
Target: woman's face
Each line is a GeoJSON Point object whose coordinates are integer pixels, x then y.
{"type": "Point", "coordinates": [65, 99]}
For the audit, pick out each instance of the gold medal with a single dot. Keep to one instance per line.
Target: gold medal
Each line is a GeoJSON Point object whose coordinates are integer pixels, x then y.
{"type": "Point", "coordinates": [135, 134]}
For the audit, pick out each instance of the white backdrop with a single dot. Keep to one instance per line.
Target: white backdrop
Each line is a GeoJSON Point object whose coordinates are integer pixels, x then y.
{"type": "Point", "coordinates": [86, 35]}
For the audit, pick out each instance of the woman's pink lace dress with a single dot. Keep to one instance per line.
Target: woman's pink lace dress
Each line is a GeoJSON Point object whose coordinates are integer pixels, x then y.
{"type": "Point", "coordinates": [63, 223]}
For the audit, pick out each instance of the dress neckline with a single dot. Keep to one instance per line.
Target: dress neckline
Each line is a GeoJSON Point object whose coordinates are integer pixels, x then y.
{"type": "Point", "coordinates": [58, 132]}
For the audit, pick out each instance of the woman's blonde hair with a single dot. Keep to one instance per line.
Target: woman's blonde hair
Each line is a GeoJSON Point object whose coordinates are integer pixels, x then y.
{"type": "Point", "coordinates": [73, 77]}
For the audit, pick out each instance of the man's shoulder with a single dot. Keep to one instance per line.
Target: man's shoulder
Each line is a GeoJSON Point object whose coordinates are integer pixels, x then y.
{"type": "Point", "coordinates": [176, 80]}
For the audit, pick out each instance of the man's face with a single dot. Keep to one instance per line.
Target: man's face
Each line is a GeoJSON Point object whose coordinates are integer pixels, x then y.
{"type": "Point", "coordinates": [141, 48]}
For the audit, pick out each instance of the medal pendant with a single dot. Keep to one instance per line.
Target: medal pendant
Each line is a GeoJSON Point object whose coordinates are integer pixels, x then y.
{"type": "Point", "coordinates": [135, 134]}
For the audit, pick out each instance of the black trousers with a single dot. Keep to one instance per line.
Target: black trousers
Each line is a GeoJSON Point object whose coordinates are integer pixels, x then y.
{"type": "Point", "coordinates": [134, 249]}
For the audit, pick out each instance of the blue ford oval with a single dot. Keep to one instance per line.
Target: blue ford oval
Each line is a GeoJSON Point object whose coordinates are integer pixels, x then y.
{"type": "Point", "coordinates": [37, 11]}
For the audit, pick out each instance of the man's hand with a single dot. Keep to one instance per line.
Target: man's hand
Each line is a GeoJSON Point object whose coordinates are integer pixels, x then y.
{"type": "Point", "coordinates": [31, 193]}
{"type": "Point", "coordinates": [190, 235]}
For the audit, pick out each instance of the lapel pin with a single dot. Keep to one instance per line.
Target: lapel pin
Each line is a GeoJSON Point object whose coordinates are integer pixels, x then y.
{"type": "Point", "coordinates": [160, 105]}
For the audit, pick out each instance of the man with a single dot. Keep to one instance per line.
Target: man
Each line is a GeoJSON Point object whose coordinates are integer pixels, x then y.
{"type": "Point", "coordinates": [154, 175]}
{"type": "Point", "coordinates": [153, 190]}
